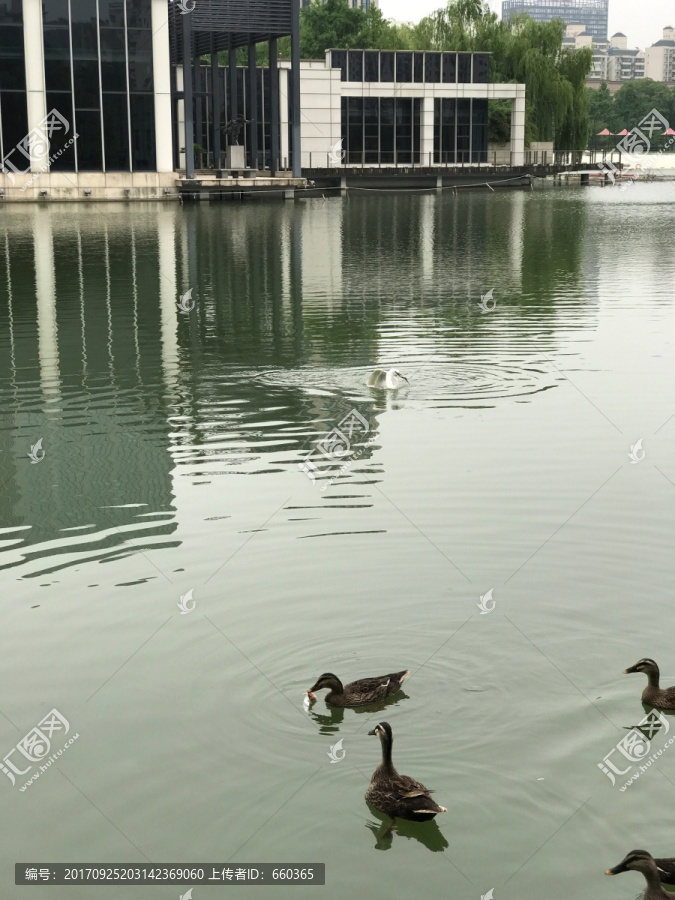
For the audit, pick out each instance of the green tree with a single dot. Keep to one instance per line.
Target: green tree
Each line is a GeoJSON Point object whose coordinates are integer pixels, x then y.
{"type": "Point", "coordinates": [335, 24]}
{"type": "Point", "coordinates": [636, 99]}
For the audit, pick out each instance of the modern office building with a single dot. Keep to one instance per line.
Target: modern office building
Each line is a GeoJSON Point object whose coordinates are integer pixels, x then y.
{"type": "Point", "coordinates": [113, 99]}
{"type": "Point", "coordinates": [592, 14]}
{"type": "Point", "coordinates": [363, 4]}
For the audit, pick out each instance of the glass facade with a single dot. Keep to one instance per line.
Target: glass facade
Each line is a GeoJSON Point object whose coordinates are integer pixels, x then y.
{"type": "Point", "coordinates": [381, 130]}
{"type": "Point", "coordinates": [204, 116]}
{"type": "Point", "coordinates": [408, 67]}
{"type": "Point", "coordinates": [98, 76]}
{"type": "Point", "coordinates": [13, 108]}
{"type": "Point", "coordinates": [460, 130]}
{"type": "Point", "coordinates": [591, 13]}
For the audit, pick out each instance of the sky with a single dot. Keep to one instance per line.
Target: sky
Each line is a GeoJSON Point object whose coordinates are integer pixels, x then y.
{"type": "Point", "coordinates": [642, 23]}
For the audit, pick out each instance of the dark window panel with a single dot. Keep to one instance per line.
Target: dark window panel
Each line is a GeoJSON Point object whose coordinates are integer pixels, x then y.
{"type": "Point", "coordinates": [140, 59]}
{"type": "Point", "coordinates": [463, 130]}
{"type": "Point", "coordinates": [432, 68]}
{"type": "Point", "coordinates": [138, 14]}
{"type": "Point", "coordinates": [404, 67]}
{"type": "Point", "coordinates": [116, 132]}
{"type": "Point", "coordinates": [14, 127]}
{"type": "Point", "coordinates": [140, 76]}
{"type": "Point", "coordinates": [143, 132]}
{"type": "Point", "coordinates": [11, 41]}
{"type": "Point", "coordinates": [114, 76]}
{"type": "Point", "coordinates": [387, 120]}
{"type": "Point", "coordinates": [339, 61]}
{"type": "Point", "coordinates": [355, 65]}
{"type": "Point", "coordinates": [85, 40]}
{"type": "Point", "coordinates": [418, 66]}
{"type": "Point", "coordinates": [386, 66]}
{"type": "Point", "coordinates": [437, 129]}
{"type": "Point", "coordinates": [62, 101]}
{"type": "Point", "coordinates": [85, 80]}
{"type": "Point", "coordinates": [449, 68]}
{"type": "Point", "coordinates": [371, 66]}
{"type": "Point", "coordinates": [463, 68]}
{"type": "Point", "coordinates": [57, 43]}
{"type": "Point", "coordinates": [113, 59]}
{"type": "Point", "coordinates": [12, 75]}
{"type": "Point", "coordinates": [57, 75]}
{"type": "Point", "coordinates": [82, 11]}
{"type": "Point", "coordinates": [479, 128]}
{"type": "Point", "coordinates": [481, 68]}
{"type": "Point", "coordinates": [89, 156]}
{"type": "Point", "coordinates": [111, 12]}
{"type": "Point", "coordinates": [54, 12]}
{"type": "Point", "coordinates": [11, 12]}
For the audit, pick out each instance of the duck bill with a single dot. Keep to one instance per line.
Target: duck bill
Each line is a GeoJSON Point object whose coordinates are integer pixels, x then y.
{"type": "Point", "coordinates": [372, 733]}
{"type": "Point", "coordinates": [311, 694]}
{"type": "Point", "coordinates": [617, 870]}
{"type": "Point", "coordinates": [629, 671]}
{"type": "Point", "coordinates": [405, 379]}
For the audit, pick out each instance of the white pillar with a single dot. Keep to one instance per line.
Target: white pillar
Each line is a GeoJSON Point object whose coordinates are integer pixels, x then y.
{"type": "Point", "coordinates": [48, 346]}
{"type": "Point", "coordinates": [168, 298]}
{"type": "Point", "coordinates": [161, 76]}
{"type": "Point", "coordinates": [181, 119]}
{"type": "Point", "coordinates": [283, 116]}
{"type": "Point", "coordinates": [427, 132]}
{"type": "Point", "coordinates": [518, 127]}
{"type": "Point", "coordinates": [35, 80]}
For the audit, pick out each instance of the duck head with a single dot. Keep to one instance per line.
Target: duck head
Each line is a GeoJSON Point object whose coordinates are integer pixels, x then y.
{"type": "Point", "coordinates": [646, 665]}
{"type": "Point", "coordinates": [635, 861]}
{"type": "Point", "coordinates": [327, 680]}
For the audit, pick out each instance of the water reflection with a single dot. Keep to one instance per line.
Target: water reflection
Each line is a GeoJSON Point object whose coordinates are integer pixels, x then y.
{"type": "Point", "coordinates": [293, 306]}
{"type": "Point", "coordinates": [427, 833]}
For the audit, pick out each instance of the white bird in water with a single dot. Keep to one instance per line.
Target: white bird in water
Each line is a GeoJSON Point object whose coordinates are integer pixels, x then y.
{"type": "Point", "coordinates": [382, 379]}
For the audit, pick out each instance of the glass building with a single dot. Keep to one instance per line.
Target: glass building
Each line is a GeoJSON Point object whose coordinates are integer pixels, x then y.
{"type": "Point", "coordinates": [591, 13]}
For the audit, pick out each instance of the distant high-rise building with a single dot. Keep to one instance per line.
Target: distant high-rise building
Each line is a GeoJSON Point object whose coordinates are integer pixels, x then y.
{"type": "Point", "coordinates": [661, 57]}
{"type": "Point", "coordinates": [591, 13]}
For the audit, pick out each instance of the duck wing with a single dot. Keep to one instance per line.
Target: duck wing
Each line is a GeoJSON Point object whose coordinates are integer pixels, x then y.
{"type": "Point", "coordinates": [376, 378]}
{"type": "Point", "coordinates": [666, 869]}
{"type": "Point", "coordinates": [370, 690]}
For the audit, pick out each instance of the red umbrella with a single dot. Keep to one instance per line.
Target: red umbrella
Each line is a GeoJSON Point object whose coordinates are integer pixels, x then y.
{"type": "Point", "coordinates": [604, 132]}
{"type": "Point", "coordinates": [622, 133]}
{"type": "Point", "coordinates": [670, 131]}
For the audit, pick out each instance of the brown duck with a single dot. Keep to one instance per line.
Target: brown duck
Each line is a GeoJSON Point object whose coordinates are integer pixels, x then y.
{"type": "Point", "coordinates": [653, 695]}
{"type": "Point", "coordinates": [641, 861]}
{"type": "Point", "coordinates": [358, 693]}
{"type": "Point", "coordinates": [398, 796]}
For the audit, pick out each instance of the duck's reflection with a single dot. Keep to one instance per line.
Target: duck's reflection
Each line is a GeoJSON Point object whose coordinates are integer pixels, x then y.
{"type": "Point", "coordinates": [427, 833]}
{"type": "Point", "coordinates": [330, 718]}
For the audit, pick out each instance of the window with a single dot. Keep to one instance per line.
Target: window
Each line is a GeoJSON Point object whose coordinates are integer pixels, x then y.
{"type": "Point", "coordinates": [449, 68]}
{"type": "Point", "coordinates": [481, 68]}
{"type": "Point", "coordinates": [479, 126]}
{"type": "Point", "coordinates": [463, 131]}
{"type": "Point", "coordinates": [371, 66]}
{"type": "Point", "coordinates": [463, 68]}
{"type": "Point", "coordinates": [432, 67]}
{"type": "Point", "coordinates": [386, 66]}
{"type": "Point", "coordinates": [339, 61]}
{"type": "Point", "coordinates": [404, 67]}
{"type": "Point", "coordinates": [355, 65]}
{"type": "Point", "coordinates": [418, 66]}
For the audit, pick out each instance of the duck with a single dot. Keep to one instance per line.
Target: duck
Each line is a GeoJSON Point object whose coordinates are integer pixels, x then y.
{"type": "Point", "coordinates": [641, 861]}
{"type": "Point", "coordinates": [358, 693]}
{"type": "Point", "coordinates": [653, 695]}
{"type": "Point", "coordinates": [381, 378]}
{"type": "Point", "coordinates": [398, 796]}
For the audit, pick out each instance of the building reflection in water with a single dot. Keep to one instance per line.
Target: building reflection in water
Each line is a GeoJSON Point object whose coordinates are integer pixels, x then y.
{"type": "Point", "coordinates": [292, 305]}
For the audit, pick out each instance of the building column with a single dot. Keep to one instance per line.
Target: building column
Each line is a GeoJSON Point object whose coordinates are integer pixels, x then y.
{"type": "Point", "coordinates": [518, 127]}
{"type": "Point", "coordinates": [427, 132]}
{"type": "Point", "coordinates": [48, 344]}
{"type": "Point", "coordinates": [187, 96]}
{"type": "Point", "coordinates": [180, 116]}
{"type": "Point", "coordinates": [36, 95]}
{"type": "Point", "coordinates": [252, 104]}
{"type": "Point", "coordinates": [274, 111]}
{"type": "Point", "coordinates": [283, 116]}
{"type": "Point", "coordinates": [232, 75]}
{"type": "Point", "coordinates": [161, 77]}
{"type": "Point", "coordinates": [215, 96]}
{"type": "Point", "coordinates": [294, 86]}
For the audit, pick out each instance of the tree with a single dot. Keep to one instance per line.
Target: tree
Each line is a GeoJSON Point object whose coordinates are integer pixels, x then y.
{"type": "Point", "coordinates": [335, 24]}
{"type": "Point", "coordinates": [636, 99]}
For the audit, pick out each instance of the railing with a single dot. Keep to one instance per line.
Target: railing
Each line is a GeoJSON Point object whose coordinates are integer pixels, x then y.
{"type": "Point", "coordinates": [407, 160]}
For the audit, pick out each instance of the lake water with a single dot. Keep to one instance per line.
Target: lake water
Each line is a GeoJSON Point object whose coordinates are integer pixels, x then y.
{"type": "Point", "coordinates": [170, 467]}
